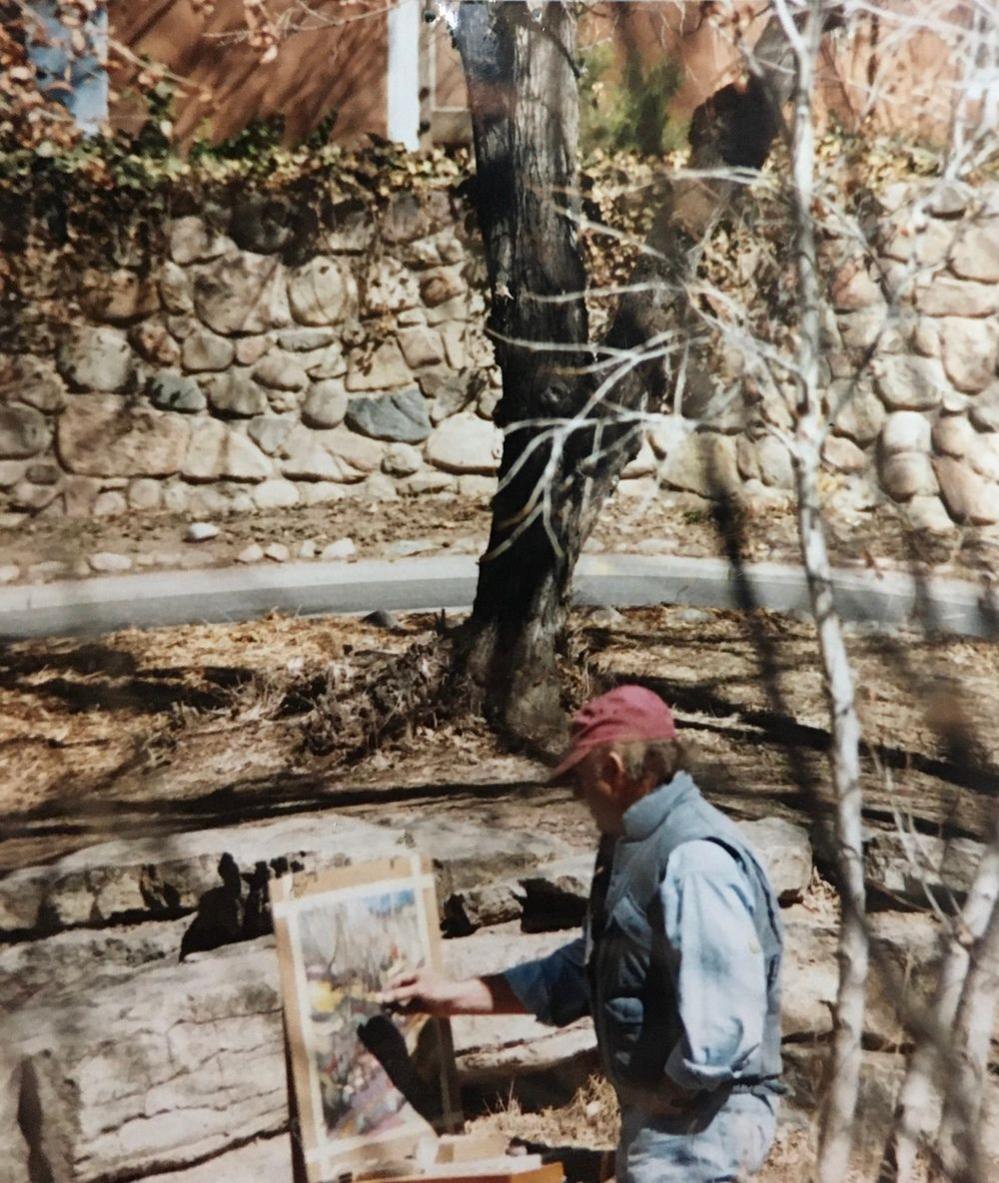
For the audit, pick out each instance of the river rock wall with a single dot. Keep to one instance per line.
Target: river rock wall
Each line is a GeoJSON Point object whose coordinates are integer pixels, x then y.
{"type": "Point", "coordinates": [231, 375]}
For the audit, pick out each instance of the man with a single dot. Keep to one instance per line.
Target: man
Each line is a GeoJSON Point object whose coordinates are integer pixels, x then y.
{"type": "Point", "coordinates": [679, 962]}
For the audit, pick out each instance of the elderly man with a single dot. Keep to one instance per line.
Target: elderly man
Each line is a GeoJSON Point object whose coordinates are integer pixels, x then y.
{"type": "Point", "coordinates": [679, 963]}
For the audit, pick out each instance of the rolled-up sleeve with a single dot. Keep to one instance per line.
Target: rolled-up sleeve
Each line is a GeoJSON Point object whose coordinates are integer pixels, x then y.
{"type": "Point", "coordinates": [553, 988]}
{"type": "Point", "coordinates": [718, 966]}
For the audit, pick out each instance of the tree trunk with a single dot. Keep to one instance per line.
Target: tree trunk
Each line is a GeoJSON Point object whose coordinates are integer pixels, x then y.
{"type": "Point", "coordinates": [570, 427]}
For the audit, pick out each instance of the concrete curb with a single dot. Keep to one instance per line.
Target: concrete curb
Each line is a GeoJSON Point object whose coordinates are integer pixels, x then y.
{"type": "Point", "coordinates": [151, 599]}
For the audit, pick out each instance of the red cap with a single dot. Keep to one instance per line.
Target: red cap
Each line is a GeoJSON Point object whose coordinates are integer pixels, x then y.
{"type": "Point", "coordinates": [622, 715]}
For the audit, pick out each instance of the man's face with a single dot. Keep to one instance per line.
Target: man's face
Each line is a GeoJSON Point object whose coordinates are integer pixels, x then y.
{"type": "Point", "coordinates": [599, 781]}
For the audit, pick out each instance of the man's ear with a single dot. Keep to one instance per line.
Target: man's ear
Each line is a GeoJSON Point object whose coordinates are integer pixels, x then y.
{"type": "Point", "coordinates": [612, 770]}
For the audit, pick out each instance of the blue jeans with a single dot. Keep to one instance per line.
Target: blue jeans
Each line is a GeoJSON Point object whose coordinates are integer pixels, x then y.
{"type": "Point", "coordinates": [727, 1147]}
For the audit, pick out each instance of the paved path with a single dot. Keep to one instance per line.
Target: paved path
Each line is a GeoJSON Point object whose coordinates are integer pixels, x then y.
{"type": "Point", "coordinates": [105, 603]}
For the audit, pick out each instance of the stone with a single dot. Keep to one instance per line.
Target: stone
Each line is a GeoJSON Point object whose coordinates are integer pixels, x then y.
{"type": "Point", "coordinates": [105, 435]}
{"type": "Point", "coordinates": [108, 562]}
{"type": "Point", "coordinates": [277, 552]}
{"type": "Point", "coordinates": [279, 372]}
{"type": "Point", "coordinates": [343, 548]}
{"type": "Point", "coordinates": [775, 468]}
{"type": "Point", "coordinates": [191, 241]}
{"type": "Point", "coordinates": [970, 349]}
{"type": "Point", "coordinates": [378, 487]}
{"type": "Point", "coordinates": [79, 494]}
{"type": "Point", "coordinates": [926, 337]}
{"type": "Point", "coordinates": [308, 549]}
{"type": "Point", "coordinates": [405, 219]}
{"type": "Point", "coordinates": [927, 515]}
{"type": "Point", "coordinates": [15, 1152]}
{"type": "Point", "coordinates": [843, 455]}
{"type": "Point", "coordinates": [303, 457]}
{"type": "Point", "coordinates": [983, 455]}
{"type": "Point", "coordinates": [427, 483]}
{"type": "Point", "coordinates": [144, 493]}
{"type": "Point", "coordinates": [217, 451]}
{"type": "Point", "coordinates": [322, 364]}
{"type": "Point", "coordinates": [233, 393]}
{"type": "Point", "coordinates": [976, 252]}
{"type": "Point", "coordinates": [477, 488]}
{"type": "Point", "coordinates": [251, 554]}
{"type": "Point", "coordinates": [275, 494]}
{"type": "Point", "coordinates": [175, 289]}
{"type": "Point", "coordinates": [952, 435]}
{"type": "Point", "coordinates": [249, 350]}
{"type": "Point", "coordinates": [26, 495]}
{"type": "Point", "coordinates": [400, 417]}
{"type": "Point", "coordinates": [109, 504]}
{"type": "Point", "coordinates": [353, 228]}
{"type": "Point", "coordinates": [389, 288]}
{"type": "Point", "coordinates": [905, 431]}
{"type": "Point", "coordinates": [968, 496]}
{"type": "Point", "coordinates": [915, 868]}
{"type": "Point", "coordinates": [306, 340]}
{"type": "Point", "coordinates": [944, 296]}
{"type": "Point", "coordinates": [322, 292]}
{"type": "Point", "coordinates": [401, 460]}
{"type": "Point", "coordinates": [261, 222]}
{"type": "Point", "coordinates": [451, 393]}
{"type": "Point", "coordinates": [643, 463]}
{"type": "Point", "coordinates": [864, 329]}
{"type": "Point", "coordinates": [362, 454]}
{"type": "Point", "coordinates": [50, 569]}
{"type": "Point", "coordinates": [242, 293]}
{"type": "Point", "coordinates": [926, 245]}
{"type": "Point", "coordinates": [380, 370]}
{"type": "Point", "coordinates": [466, 444]}
{"type": "Point", "coordinates": [153, 343]}
{"type": "Point", "coordinates": [852, 288]}
{"type": "Point", "coordinates": [23, 432]}
{"type": "Point", "coordinates": [985, 409]}
{"type": "Point", "coordinates": [170, 391]}
{"type": "Point", "coordinates": [201, 532]}
{"type": "Point", "coordinates": [704, 463]}
{"type": "Point", "coordinates": [96, 358]}
{"type": "Point", "coordinates": [908, 382]}
{"type": "Point", "coordinates": [907, 474]}
{"type": "Point", "coordinates": [118, 296]}
{"type": "Point", "coordinates": [270, 431]}
{"type": "Point", "coordinates": [181, 326]}
{"type": "Point", "coordinates": [325, 405]}
{"type": "Point", "coordinates": [12, 471]}
{"type": "Point", "coordinates": [34, 382]}
{"type": "Point", "coordinates": [9, 572]}
{"type": "Point", "coordinates": [421, 347]}
{"type": "Point", "coordinates": [203, 351]}
{"type": "Point", "coordinates": [442, 286]}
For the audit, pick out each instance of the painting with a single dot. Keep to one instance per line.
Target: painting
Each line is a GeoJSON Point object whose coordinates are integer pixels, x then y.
{"type": "Point", "coordinates": [370, 1086]}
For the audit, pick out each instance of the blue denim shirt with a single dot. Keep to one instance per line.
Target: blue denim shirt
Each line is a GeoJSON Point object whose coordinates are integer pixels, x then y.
{"type": "Point", "coordinates": [719, 975]}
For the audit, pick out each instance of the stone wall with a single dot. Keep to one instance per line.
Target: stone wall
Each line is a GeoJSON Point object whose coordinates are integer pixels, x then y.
{"type": "Point", "coordinates": [231, 375]}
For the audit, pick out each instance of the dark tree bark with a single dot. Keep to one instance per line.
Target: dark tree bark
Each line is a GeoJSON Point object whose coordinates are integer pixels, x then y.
{"type": "Point", "coordinates": [556, 473]}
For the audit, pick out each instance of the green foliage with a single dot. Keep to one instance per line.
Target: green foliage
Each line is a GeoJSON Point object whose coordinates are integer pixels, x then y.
{"type": "Point", "coordinates": [630, 112]}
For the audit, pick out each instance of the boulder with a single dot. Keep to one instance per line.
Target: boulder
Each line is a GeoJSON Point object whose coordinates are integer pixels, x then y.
{"type": "Point", "coordinates": [306, 340]}
{"type": "Point", "coordinates": [985, 409]}
{"type": "Point", "coordinates": [843, 455]}
{"type": "Point", "coordinates": [909, 382]}
{"type": "Point", "coordinates": [400, 418]}
{"type": "Point", "coordinates": [14, 1150]}
{"type": "Point", "coordinates": [280, 372]}
{"type": "Point", "coordinates": [362, 454]}
{"type": "Point", "coordinates": [191, 241]}
{"type": "Point", "coordinates": [976, 252]}
{"type": "Point", "coordinates": [216, 452]}
{"type": "Point", "coordinates": [969, 349]}
{"type": "Point", "coordinates": [905, 431]}
{"type": "Point", "coordinates": [242, 293]}
{"type": "Point", "coordinates": [703, 463]}
{"type": "Point", "coordinates": [23, 432]}
{"type": "Point", "coordinates": [325, 405]}
{"type": "Point", "coordinates": [119, 296]}
{"type": "Point", "coordinates": [969, 497]}
{"type": "Point", "coordinates": [906, 475]}
{"type": "Point", "coordinates": [919, 869]}
{"type": "Point", "coordinates": [270, 431]}
{"type": "Point", "coordinates": [322, 292]}
{"type": "Point", "coordinates": [401, 460]}
{"type": "Point", "coordinates": [105, 435]}
{"type": "Point", "coordinates": [205, 351]}
{"type": "Point", "coordinates": [952, 435]}
{"type": "Point", "coordinates": [441, 286]}
{"type": "Point", "coordinates": [275, 494]}
{"type": "Point", "coordinates": [96, 358]}
{"type": "Point", "coordinates": [943, 296]}
{"type": "Point", "coordinates": [380, 370]}
{"type": "Point", "coordinates": [786, 853]}
{"type": "Point", "coordinates": [235, 394]}
{"type": "Point", "coordinates": [153, 343]}
{"type": "Point", "coordinates": [304, 458]}
{"type": "Point", "coordinates": [34, 382]}
{"type": "Point", "coordinates": [421, 347]}
{"type": "Point", "coordinates": [170, 391]}
{"type": "Point", "coordinates": [175, 289]}
{"type": "Point", "coordinates": [389, 288]}
{"type": "Point", "coordinates": [466, 444]}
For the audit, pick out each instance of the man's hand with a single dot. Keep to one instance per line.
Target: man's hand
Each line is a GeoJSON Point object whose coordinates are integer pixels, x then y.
{"type": "Point", "coordinates": [429, 993]}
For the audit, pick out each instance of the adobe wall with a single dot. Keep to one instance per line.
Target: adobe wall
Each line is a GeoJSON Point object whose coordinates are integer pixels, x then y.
{"type": "Point", "coordinates": [223, 379]}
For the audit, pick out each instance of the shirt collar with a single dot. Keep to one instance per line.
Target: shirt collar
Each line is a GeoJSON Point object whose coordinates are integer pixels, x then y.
{"type": "Point", "coordinates": [650, 811]}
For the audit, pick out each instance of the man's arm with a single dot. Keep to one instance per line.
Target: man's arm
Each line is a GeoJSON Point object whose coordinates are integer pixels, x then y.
{"type": "Point", "coordinates": [718, 971]}
{"type": "Point", "coordinates": [552, 988]}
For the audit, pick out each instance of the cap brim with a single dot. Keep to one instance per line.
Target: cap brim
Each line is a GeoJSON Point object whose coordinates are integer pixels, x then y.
{"type": "Point", "coordinates": [568, 762]}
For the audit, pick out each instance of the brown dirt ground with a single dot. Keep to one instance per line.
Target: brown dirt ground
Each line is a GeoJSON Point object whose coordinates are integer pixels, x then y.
{"type": "Point", "coordinates": [669, 523]}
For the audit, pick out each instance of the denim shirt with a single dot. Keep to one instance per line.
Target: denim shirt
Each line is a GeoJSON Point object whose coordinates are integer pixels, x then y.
{"type": "Point", "coordinates": [719, 976]}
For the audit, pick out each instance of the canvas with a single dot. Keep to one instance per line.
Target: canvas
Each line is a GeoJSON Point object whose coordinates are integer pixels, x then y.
{"type": "Point", "coordinates": [369, 1086]}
